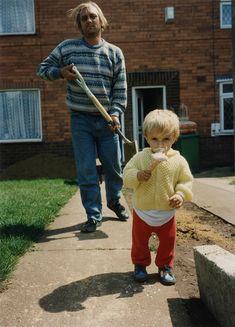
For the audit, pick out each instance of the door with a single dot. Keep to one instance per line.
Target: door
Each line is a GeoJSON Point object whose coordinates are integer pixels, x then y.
{"type": "Point", "coordinates": [140, 118]}
{"type": "Point", "coordinates": [145, 99]}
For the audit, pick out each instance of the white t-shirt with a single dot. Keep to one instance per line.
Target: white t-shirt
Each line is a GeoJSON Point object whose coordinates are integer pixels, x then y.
{"type": "Point", "coordinates": [155, 217]}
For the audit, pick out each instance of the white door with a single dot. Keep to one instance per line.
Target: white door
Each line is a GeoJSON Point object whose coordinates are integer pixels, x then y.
{"type": "Point", "coordinates": [140, 118]}
{"type": "Point", "coordinates": [145, 99]}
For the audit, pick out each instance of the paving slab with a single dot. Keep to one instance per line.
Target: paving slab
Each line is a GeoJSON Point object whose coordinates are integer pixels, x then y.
{"type": "Point", "coordinates": [216, 195]}
{"type": "Point", "coordinates": [71, 279]}
{"type": "Point", "coordinates": [212, 260]}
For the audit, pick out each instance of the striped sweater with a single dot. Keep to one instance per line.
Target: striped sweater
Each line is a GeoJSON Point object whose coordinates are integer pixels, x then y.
{"type": "Point", "coordinates": [102, 67]}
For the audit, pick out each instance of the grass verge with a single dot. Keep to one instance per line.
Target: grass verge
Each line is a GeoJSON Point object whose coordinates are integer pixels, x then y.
{"type": "Point", "coordinates": [26, 209]}
{"type": "Point", "coordinates": [233, 182]}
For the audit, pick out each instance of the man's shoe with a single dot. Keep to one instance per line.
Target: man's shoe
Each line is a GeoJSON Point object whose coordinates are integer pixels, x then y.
{"type": "Point", "coordinates": [140, 274]}
{"type": "Point", "coordinates": [119, 210]}
{"type": "Point", "coordinates": [90, 226]}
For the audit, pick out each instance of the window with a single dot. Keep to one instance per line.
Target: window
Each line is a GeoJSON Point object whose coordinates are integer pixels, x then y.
{"type": "Point", "coordinates": [226, 107]}
{"type": "Point", "coordinates": [17, 17]}
{"type": "Point", "coordinates": [225, 14]}
{"type": "Point", "coordinates": [20, 116]}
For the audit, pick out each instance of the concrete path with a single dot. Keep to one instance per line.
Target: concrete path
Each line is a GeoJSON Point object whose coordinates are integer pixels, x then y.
{"type": "Point", "coordinates": [216, 195]}
{"type": "Point", "coordinates": [85, 280]}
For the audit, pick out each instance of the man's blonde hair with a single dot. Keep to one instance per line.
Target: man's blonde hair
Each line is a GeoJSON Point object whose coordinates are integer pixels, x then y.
{"type": "Point", "coordinates": [75, 14]}
{"type": "Point", "coordinates": [165, 121]}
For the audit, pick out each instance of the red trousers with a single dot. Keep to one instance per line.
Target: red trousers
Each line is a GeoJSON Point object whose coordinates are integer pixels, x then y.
{"type": "Point", "coordinates": [141, 232]}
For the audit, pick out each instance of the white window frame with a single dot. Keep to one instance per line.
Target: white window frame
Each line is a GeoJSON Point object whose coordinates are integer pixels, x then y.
{"type": "Point", "coordinates": [222, 97]}
{"type": "Point", "coordinates": [28, 16]}
{"type": "Point", "coordinates": [22, 140]}
{"type": "Point", "coordinates": [222, 3]}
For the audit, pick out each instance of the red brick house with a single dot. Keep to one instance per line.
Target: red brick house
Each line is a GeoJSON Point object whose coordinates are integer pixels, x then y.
{"type": "Point", "coordinates": [177, 53]}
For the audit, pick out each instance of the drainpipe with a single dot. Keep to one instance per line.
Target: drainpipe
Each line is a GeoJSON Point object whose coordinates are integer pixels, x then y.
{"type": "Point", "coordinates": [233, 69]}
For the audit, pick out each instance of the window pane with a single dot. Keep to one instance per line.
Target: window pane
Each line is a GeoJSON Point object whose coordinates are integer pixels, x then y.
{"type": "Point", "coordinates": [228, 113]}
{"type": "Point", "coordinates": [17, 17]}
{"type": "Point", "coordinates": [20, 117]}
{"type": "Point", "coordinates": [226, 14]}
{"type": "Point", "coordinates": [228, 88]}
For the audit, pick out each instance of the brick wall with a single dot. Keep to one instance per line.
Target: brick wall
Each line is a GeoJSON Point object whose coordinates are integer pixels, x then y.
{"type": "Point", "coordinates": [193, 45]}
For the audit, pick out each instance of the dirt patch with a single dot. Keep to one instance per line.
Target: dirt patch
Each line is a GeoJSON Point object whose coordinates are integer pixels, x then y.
{"type": "Point", "coordinates": [195, 227]}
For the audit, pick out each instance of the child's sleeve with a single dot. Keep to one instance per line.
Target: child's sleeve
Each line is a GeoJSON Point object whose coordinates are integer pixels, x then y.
{"type": "Point", "coordinates": [130, 173]}
{"type": "Point", "coordinates": [185, 182]}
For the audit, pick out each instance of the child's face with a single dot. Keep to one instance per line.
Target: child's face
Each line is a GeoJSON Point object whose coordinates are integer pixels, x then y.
{"type": "Point", "coordinates": [158, 141]}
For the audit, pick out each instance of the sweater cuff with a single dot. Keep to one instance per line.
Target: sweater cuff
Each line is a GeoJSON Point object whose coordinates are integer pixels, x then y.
{"type": "Point", "coordinates": [114, 113]}
{"type": "Point", "coordinates": [56, 73]}
{"type": "Point", "coordinates": [181, 194]}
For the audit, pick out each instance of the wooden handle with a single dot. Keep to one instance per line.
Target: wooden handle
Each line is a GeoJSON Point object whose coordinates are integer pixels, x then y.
{"type": "Point", "coordinates": [98, 105]}
{"type": "Point", "coordinates": [101, 109]}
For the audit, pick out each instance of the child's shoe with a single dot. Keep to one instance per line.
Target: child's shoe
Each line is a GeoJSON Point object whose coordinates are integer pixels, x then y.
{"type": "Point", "coordinates": [140, 274]}
{"type": "Point", "coordinates": [166, 276]}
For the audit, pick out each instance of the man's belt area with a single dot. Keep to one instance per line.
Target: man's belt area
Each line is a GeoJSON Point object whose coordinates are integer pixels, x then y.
{"type": "Point", "coordinates": [89, 113]}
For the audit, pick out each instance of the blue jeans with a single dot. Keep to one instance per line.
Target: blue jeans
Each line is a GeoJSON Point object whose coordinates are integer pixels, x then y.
{"type": "Point", "coordinates": [93, 138]}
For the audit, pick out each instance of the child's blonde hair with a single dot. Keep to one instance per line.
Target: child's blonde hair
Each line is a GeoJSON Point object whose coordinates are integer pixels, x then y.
{"type": "Point", "coordinates": [165, 121]}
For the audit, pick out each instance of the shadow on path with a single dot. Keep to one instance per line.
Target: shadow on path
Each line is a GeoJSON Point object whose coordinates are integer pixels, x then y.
{"type": "Point", "coordinates": [199, 314]}
{"type": "Point", "coordinates": [72, 296]}
{"type": "Point", "coordinates": [47, 235]}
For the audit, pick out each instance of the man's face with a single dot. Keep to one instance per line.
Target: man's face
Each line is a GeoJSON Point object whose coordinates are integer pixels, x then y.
{"type": "Point", "coordinates": [90, 22]}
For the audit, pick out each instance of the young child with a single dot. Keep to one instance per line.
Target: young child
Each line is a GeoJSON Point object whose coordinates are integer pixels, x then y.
{"type": "Point", "coordinates": [161, 181]}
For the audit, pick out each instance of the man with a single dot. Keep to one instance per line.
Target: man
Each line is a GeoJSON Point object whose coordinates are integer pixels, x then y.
{"type": "Point", "coordinates": [102, 66]}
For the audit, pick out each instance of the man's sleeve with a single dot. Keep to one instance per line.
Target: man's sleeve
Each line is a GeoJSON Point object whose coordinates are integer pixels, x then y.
{"type": "Point", "coordinates": [119, 91]}
{"type": "Point", "coordinates": [49, 69]}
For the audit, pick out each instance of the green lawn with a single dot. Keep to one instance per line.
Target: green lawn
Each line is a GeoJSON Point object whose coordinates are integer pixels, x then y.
{"type": "Point", "coordinates": [233, 182]}
{"type": "Point", "coordinates": [26, 209]}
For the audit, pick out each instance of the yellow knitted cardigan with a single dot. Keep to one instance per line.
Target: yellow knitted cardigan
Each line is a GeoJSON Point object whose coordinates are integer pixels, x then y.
{"type": "Point", "coordinates": [168, 177]}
